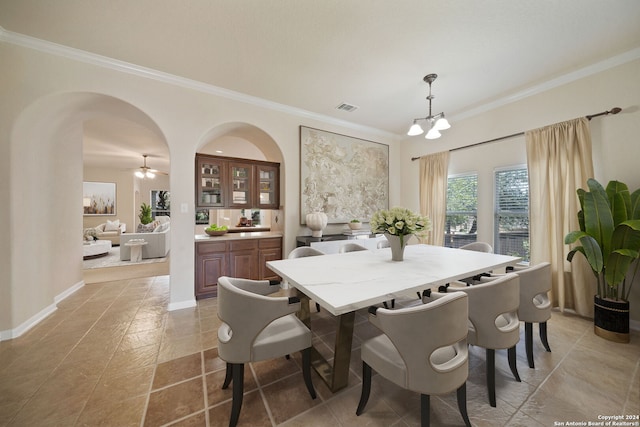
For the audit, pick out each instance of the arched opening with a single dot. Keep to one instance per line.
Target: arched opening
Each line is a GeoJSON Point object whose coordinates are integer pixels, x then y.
{"type": "Point", "coordinates": [46, 193]}
{"type": "Point", "coordinates": [246, 141]}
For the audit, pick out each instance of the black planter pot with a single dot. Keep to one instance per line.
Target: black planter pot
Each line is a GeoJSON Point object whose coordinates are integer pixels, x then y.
{"type": "Point", "coordinates": [611, 319]}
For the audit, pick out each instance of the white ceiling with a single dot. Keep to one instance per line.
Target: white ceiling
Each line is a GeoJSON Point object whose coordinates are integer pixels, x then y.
{"type": "Point", "coordinates": [313, 55]}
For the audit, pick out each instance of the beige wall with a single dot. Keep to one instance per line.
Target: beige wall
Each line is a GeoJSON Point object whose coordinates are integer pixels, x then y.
{"type": "Point", "coordinates": [58, 94]}
{"type": "Point", "coordinates": [616, 139]}
{"type": "Point", "coordinates": [46, 98]}
{"type": "Point", "coordinates": [124, 181]}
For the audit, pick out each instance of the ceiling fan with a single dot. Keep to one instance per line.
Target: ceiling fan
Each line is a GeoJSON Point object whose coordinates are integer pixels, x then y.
{"type": "Point", "coordinates": [146, 172]}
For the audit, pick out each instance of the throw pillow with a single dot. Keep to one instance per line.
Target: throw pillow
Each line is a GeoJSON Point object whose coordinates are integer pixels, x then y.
{"type": "Point", "coordinates": [112, 225]}
{"type": "Point", "coordinates": [161, 228]}
{"type": "Point", "coordinates": [148, 228]}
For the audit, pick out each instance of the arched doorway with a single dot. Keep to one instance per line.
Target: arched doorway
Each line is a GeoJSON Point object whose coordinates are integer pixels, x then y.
{"type": "Point", "coordinates": [46, 198]}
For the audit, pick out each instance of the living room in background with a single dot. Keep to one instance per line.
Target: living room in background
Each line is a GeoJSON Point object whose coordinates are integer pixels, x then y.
{"type": "Point", "coordinates": [461, 223]}
{"type": "Point", "coordinates": [99, 198]}
{"type": "Point", "coordinates": [342, 176]}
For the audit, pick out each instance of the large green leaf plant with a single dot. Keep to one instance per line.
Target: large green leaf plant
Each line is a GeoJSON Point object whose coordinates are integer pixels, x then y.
{"type": "Point", "coordinates": [609, 235]}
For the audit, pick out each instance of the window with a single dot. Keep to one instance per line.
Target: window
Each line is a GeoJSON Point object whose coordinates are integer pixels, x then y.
{"type": "Point", "coordinates": [160, 203]}
{"type": "Point", "coordinates": [462, 210]}
{"type": "Point", "coordinates": [511, 225]}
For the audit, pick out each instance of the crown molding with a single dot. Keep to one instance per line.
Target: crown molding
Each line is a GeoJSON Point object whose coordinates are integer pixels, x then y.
{"type": "Point", "coordinates": [589, 70]}
{"type": "Point", "coordinates": [126, 67]}
{"type": "Point", "coordinates": [149, 73]}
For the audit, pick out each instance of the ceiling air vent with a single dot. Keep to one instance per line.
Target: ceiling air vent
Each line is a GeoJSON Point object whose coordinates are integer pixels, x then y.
{"type": "Point", "coordinates": [346, 107]}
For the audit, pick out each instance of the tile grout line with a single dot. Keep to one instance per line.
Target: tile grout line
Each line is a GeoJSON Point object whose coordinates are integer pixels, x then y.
{"type": "Point", "coordinates": [28, 400]}
{"type": "Point", "coordinates": [155, 365]}
{"type": "Point", "coordinates": [539, 386]}
{"type": "Point", "coordinates": [630, 388]}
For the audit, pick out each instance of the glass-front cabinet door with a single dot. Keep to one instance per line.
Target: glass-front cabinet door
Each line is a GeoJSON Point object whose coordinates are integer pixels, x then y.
{"type": "Point", "coordinates": [267, 186]}
{"type": "Point", "coordinates": [241, 184]}
{"type": "Point", "coordinates": [210, 183]}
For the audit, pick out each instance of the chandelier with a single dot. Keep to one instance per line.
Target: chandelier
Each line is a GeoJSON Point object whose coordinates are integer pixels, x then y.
{"type": "Point", "coordinates": [435, 122]}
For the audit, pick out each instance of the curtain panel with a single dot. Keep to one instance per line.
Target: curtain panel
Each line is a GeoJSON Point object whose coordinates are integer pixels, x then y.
{"type": "Point", "coordinates": [559, 160]}
{"type": "Point", "coordinates": [433, 194]}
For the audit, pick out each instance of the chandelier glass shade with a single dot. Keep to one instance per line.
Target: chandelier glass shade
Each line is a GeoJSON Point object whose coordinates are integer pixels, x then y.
{"type": "Point", "coordinates": [435, 122]}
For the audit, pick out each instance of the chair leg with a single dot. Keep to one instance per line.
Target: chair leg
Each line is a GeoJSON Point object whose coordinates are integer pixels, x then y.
{"type": "Point", "coordinates": [318, 307]}
{"type": "Point", "coordinates": [366, 388]}
{"type": "Point", "coordinates": [306, 371]}
{"type": "Point", "coordinates": [543, 335]}
{"type": "Point", "coordinates": [227, 377]}
{"type": "Point", "coordinates": [462, 403]}
{"type": "Point", "coordinates": [385, 305]}
{"type": "Point", "coordinates": [528, 343]}
{"type": "Point", "coordinates": [425, 410]}
{"type": "Point", "coordinates": [491, 376]}
{"type": "Point", "coordinates": [238, 391]}
{"type": "Point", "coordinates": [512, 363]}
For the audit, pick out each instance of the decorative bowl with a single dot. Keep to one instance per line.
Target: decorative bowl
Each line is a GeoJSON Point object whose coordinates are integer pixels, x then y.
{"type": "Point", "coordinates": [216, 232]}
{"type": "Point", "coordinates": [355, 225]}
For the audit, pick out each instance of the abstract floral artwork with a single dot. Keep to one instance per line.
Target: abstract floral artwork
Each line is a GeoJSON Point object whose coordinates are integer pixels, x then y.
{"type": "Point", "coordinates": [342, 176]}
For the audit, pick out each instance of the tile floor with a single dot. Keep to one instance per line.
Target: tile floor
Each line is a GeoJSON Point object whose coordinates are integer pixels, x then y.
{"type": "Point", "coordinates": [112, 355]}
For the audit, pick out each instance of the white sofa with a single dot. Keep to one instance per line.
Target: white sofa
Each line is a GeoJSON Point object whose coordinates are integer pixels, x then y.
{"type": "Point", "coordinates": [158, 242]}
{"type": "Point", "coordinates": [110, 230]}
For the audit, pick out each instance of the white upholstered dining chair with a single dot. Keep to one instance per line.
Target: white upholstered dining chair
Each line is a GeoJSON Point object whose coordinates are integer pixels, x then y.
{"type": "Point", "coordinates": [351, 247]}
{"type": "Point", "coordinates": [422, 349]}
{"type": "Point", "coordinates": [257, 327]}
{"type": "Point", "coordinates": [305, 251]}
{"type": "Point", "coordinates": [535, 306]}
{"type": "Point", "coordinates": [493, 321]}
{"type": "Point", "coordinates": [477, 247]}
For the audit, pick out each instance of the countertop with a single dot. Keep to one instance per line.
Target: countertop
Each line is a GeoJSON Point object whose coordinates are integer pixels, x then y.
{"type": "Point", "coordinates": [238, 236]}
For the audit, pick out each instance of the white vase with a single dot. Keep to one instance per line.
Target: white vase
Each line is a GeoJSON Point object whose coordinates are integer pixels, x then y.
{"type": "Point", "coordinates": [317, 221]}
{"type": "Point", "coordinates": [397, 245]}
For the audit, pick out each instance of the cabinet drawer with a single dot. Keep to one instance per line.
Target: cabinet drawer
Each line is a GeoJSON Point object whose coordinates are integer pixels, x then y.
{"type": "Point", "coordinates": [270, 243]}
{"type": "Point", "coordinates": [203, 248]}
{"type": "Point", "coordinates": [242, 245]}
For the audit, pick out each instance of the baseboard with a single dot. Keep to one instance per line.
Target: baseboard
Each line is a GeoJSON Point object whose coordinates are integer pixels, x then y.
{"type": "Point", "coordinates": [634, 325]}
{"type": "Point", "coordinates": [40, 316]}
{"type": "Point", "coordinates": [182, 304]}
{"type": "Point", "coordinates": [62, 296]}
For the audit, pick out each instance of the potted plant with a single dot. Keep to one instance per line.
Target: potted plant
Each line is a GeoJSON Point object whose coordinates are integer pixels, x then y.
{"type": "Point", "coordinates": [145, 214]}
{"type": "Point", "coordinates": [609, 239]}
{"type": "Point", "coordinates": [355, 224]}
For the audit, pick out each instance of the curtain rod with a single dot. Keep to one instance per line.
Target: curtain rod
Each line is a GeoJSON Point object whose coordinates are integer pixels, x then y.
{"type": "Point", "coordinates": [614, 110]}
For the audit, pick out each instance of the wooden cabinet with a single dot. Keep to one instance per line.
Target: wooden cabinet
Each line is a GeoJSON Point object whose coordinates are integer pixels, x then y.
{"type": "Point", "coordinates": [211, 263]}
{"type": "Point", "coordinates": [210, 182]}
{"type": "Point", "coordinates": [227, 182]}
{"type": "Point", "coordinates": [268, 250]}
{"type": "Point", "coordinates": [245, 258]}
{"type": "Point", "coordinates": [242, 185]}
{"type": "Point", "coordinates": [267, 184]}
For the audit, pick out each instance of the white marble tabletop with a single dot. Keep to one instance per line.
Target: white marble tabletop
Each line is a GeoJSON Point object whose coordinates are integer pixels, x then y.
{"type": "Point", "coordinates": [347, 282]}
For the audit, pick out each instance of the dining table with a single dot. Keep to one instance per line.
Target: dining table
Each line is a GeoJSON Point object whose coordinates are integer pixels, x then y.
{"type": "Point", "coordinates": [345, 283]}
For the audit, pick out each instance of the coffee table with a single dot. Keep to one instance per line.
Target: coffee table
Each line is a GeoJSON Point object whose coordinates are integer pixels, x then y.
{"type": "Point", "coordinates": [95, 249]}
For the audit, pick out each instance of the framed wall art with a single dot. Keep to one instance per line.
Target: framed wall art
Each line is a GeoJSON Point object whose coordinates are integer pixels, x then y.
{"type": "Point", "coordinates": [342, 176]}
{"type": "Point", "coordinates": [99, 198]}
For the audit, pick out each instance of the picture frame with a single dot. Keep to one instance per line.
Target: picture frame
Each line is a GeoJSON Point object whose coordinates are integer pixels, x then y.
{"type": "Point", "coordinates": [99, 198]}
{"type": "Point", "coordinates": [344, 177]}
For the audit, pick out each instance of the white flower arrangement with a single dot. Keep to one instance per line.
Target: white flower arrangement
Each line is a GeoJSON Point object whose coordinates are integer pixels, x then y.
{"type": "Point", "coordinates": [399, 222]}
